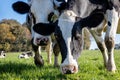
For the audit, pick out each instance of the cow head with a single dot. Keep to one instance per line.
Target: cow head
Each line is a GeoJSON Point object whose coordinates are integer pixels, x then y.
{"type": "Point", "coordinates": [68, 32]}
{"type": "Point", "coordinates": [37, 12]}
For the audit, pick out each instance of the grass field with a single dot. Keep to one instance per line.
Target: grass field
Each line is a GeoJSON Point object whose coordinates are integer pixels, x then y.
{"type": "Point", "coordinates": [90, 68]}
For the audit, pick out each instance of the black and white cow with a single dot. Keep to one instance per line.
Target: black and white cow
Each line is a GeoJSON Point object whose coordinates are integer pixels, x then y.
{"type": "Point", "coordinates": [2, 54]}
{"type": "Point", "coordinates": [26, 55]}
{"type": "Point", "coordinates": [37, 12]}
{"type": "Point", "coordinates": [74, 16]}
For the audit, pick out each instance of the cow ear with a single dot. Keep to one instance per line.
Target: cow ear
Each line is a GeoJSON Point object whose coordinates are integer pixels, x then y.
{"type": "Point", "coordinates": [21, 7]}
{"type": "Point", "coordinates": [44, 28]}
{"type": "Point", "coordinates": [93, 20]}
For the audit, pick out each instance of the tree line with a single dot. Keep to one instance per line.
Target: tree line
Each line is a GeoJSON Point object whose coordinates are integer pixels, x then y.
{"type": "Point", "coordinates": [14, 36]}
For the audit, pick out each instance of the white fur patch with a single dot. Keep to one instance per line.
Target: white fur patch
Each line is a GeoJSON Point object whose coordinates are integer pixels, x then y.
{"type": "Point", "coordinates": [66, 0]}
{"type": "Point", "coordinates": [113, 18]}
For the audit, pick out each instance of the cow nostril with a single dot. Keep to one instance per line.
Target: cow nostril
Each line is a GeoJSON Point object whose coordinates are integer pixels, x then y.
{"type": "Point", "coordinates": [69, 69]}
{"type": "Point", "coordinates": [38, 39]}
{"type": "Point", "coordinates": [44, 39]}
{"type": "Point", "coordinates": [68, 72]}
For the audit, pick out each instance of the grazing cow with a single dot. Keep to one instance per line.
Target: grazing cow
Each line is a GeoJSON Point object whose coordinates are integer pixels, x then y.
{"type": "Point", "coordinates": [26, 55]}
{"type": "Point", "coordinates": [74, 16]}
{"type": "Point", "coordinates": [37, 12]}
{"type": "Point", "coordinates": [2, 54]}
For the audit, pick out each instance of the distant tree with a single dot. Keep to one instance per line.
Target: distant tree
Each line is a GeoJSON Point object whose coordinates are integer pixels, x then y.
{"type": "Point", "coordinates": [14, 36]}
{"type": "Point", "coordinates": [10, 22]}
{"type": "Point", "coordinates": [5, 34]}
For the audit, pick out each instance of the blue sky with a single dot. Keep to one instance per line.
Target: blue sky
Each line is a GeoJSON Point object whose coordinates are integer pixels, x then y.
{"type": "Point", "coordinates": [6, 11]}
{"type": "Point", "coordinates": [94, 45]}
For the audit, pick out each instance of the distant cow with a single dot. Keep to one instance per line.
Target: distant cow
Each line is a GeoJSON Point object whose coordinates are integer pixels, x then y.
{"type": "Point", "coordinates": [2, 54]}
{"type": "Point", "coordinates": [37, 12]}
{"type": "Point", "coordinates": [74, 16]}
{"type": "Point", "coordinates": [26, 55]}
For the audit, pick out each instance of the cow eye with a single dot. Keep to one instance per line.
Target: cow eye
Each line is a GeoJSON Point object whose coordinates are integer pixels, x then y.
{"type": "Point", "coordinates": [58, 36]}
{"type": "Point", "coordinates": [78, 37]}
{"type": "Point", "coordinates": [28, 20]}
{"type": "Point", "coordinates": [31, 19]}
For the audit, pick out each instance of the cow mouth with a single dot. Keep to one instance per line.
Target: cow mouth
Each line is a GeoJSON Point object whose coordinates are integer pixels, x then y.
{"type": "Point", "coordinates": [42, 41]}
{"type": "Point", "coordinates": [42, 44]}
{"type": "Point", "coordinates": [71, 69]}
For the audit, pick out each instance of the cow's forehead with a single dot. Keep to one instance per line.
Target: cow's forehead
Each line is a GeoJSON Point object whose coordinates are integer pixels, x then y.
{"type": "Point", "coordinates": [38, 3]}
{"type": "Point", "coordinates": [67, 19]}
{"type": "Point", "coordinates": [41, 9]}
{"type": "Point", "coordinates": [65, 24]}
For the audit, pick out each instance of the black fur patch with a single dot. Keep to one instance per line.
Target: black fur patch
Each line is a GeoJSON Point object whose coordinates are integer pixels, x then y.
{"type": "Point", "coordinates": [109, 24]}
{"type": "Point", "coordinates": [100, 2]}
{"type": "Point", "coordinates": [61, 42]}
{"type": "Point", "coordinates": [62, 5]}
{"type": "Point", "coordinates": [50, 16]}
{"type": "Point", "coordinates": [44, 28]}
{"type": "Point", "coordinates": [93, 20]}
{"type": "Point", "coordinates": [21, 7]}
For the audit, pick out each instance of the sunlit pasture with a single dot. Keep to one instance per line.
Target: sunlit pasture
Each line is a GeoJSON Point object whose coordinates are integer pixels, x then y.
{"type": "Point", "coordinates": [90, 68]}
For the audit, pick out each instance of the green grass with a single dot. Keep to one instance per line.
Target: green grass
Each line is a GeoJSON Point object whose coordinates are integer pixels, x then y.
{"type": "Point", "coordinates": [90, 68]}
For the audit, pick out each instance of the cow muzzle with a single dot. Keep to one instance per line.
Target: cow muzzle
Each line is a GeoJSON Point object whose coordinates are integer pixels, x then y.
{"type": "Point", "coordinates": [42, 41]}
{"type": "Point", "coordinates": [69, 68]}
